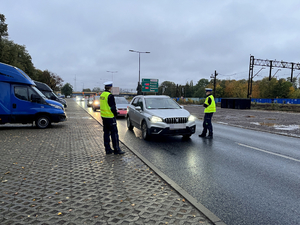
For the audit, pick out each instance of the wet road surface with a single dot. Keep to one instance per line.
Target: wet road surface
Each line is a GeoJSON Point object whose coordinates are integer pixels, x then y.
{"type": "Point", "coordinates": [243, 176]}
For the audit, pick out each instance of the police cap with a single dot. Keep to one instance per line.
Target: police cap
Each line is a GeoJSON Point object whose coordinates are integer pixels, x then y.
{"type": "Point", "coordinates": [208, 89]}
{"type": "Point", "coordinates": [108, 84]}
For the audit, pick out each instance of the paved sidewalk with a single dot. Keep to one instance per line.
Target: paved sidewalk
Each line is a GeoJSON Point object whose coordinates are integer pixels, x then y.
{"type": "Point", "coordinates": [61, 175]}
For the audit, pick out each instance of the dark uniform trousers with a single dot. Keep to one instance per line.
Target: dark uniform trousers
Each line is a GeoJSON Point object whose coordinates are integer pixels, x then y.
{"type": "Point", "coordinates": [207, 125]}
{"type": "Point", "coordinates": [110, 129]}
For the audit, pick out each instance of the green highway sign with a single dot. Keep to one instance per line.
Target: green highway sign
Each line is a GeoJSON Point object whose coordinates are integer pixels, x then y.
{"type": "Point", "coordinates": [149, 85]}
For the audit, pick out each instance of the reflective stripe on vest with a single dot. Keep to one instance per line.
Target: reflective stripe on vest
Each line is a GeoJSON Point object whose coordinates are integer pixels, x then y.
{"type": "Point", "coordinates": [212, 107]}
{"type": "Point", "coordinates": [104, 107]}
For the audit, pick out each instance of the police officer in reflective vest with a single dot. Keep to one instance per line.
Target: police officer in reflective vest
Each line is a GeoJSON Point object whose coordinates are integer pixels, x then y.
{"type": "Point", "coordinates": [210, 108]}
{"type": "Point", "coordinates": [109, 113]}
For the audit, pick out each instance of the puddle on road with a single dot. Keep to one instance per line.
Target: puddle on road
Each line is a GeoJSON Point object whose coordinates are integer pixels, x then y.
{"type": "Point", "coordinates": [276, 126]}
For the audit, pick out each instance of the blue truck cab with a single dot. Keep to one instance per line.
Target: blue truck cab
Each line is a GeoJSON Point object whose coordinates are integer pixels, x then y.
{"type": "Point", "coordinates": [22, 102]}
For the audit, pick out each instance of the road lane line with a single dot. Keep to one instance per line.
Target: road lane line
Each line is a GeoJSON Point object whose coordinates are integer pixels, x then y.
{"type": "Point", "coordinates": [271, 153]}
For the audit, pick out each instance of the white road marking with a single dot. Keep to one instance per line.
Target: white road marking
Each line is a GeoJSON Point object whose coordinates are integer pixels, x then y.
{"type": "Point", "coordinates": [271, 153]}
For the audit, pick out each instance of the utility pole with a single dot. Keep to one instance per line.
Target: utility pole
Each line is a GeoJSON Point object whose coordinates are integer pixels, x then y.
{"type": "Point", "coordinates": [215, 82]}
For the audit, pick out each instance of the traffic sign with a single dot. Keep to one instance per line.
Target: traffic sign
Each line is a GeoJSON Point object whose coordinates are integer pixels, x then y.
{"type": "Point", "coordinates": [149, 85]}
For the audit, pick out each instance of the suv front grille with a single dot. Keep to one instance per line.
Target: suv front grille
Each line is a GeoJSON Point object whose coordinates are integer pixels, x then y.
{"type": "Point", "coordinates": [176, 120]}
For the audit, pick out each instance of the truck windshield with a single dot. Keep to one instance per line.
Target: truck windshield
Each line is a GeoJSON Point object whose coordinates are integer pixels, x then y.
{"type": "Point", "coordinates": [38, 92]}
{"type": "Point", "coordinates": [50, 95]}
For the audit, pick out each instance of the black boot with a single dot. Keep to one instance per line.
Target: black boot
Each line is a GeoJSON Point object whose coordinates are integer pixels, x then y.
{"type": "Point", "coordinates": [202, 135]}
{"type": "Point", "coordinates": [109, 151]}
{"type": "Point", "coordinates": [119, 152]}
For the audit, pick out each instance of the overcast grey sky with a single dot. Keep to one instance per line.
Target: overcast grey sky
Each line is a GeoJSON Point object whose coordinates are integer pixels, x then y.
{"type": "Point", "coordinates": [188, 39]}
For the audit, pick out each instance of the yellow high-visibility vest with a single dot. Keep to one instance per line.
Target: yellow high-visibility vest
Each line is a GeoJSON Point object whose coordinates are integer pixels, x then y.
{"type": "Point", "coordinates": [212, 107]}
{"type": "Point", "coordinates": [104, 107]}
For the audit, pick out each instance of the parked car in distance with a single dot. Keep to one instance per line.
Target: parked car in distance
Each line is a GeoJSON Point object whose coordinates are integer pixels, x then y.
{"type": "Point", "coordinates": [48, 92]}
{"type": "Point", "coordinates": [159, 115]}
{"type": "Point", "coordinates": [121, 104]}
{"type": "Point", "coordinates": [96, 103]}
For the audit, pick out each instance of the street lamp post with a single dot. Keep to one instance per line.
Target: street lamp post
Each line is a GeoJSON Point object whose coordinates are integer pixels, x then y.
{"type": "Point", "coordinates": [139, 91]}
{"type": "Point", "coordinates": [112, 74]}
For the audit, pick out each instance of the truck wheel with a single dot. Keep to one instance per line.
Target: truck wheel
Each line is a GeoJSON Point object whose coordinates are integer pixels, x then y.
{"type": "Point", "coordinates": [42, 122]}
{"type": "Point", "coordinates": [129, 125]}
{"type": "Point", "coordinates": [145, 133]}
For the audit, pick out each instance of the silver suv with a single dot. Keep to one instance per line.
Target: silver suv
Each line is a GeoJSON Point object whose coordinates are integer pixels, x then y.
{"type": "Point", "coordinates": [159, 114]}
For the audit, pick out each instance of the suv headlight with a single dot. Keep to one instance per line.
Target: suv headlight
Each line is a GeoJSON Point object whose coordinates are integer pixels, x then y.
{"type": "Point", "coordinates": [56, 106]}
{"type": "Point", "coordinates": [155, 119]}
{"type": "Point", "coordinates": [192, 118]}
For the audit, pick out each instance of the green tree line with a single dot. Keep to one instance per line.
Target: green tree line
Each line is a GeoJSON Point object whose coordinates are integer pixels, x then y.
{"type": "Point", "coordinates": [265, 88]}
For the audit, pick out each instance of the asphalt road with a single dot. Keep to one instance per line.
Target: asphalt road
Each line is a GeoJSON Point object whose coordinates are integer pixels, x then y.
{"type": "Point", "coordinates": [243, 176]}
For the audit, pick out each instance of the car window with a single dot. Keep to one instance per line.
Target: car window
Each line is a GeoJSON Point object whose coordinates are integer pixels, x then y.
{"type": "Point", "coordinates": [140, 103]}
{"type": "Point", "coordinates": [161, 103]}
{"type": "Point", "coordinates": [134, 102]}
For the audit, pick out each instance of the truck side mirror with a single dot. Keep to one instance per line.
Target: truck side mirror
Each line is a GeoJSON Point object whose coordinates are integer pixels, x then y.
{"type": "Point", "coordinates": [35, 98]}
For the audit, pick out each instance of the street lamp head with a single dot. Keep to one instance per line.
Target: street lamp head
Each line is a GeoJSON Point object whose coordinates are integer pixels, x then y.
{"type": "Point", "coordinates": [137, 51]}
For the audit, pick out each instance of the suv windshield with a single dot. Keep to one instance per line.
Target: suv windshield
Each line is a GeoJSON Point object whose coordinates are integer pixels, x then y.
{"type": "Point", "coordinates": [161, 103]}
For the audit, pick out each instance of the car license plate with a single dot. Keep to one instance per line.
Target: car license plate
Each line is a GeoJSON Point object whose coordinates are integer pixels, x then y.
{"type": "Point", "coordinates": [177, 126]}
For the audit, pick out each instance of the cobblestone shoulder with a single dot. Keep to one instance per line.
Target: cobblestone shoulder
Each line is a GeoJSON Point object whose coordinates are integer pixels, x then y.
{"type": "Point", "coordinates": [61, 175]}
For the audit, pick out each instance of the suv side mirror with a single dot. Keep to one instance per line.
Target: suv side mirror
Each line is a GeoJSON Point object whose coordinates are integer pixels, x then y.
{"type": "Point", "coordinates": [138, 108]}
{"type": "Point", "coordinates": [35, 98]}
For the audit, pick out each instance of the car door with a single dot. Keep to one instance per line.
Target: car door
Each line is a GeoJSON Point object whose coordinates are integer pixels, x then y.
{"type": "Point", "coordinates": [132, 111]}
{"type": "Point", "coordinates": [134, 114]}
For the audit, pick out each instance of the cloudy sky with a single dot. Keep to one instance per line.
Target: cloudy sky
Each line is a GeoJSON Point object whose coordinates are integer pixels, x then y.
{"type": "Point", "coordinates": [187, 39]}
